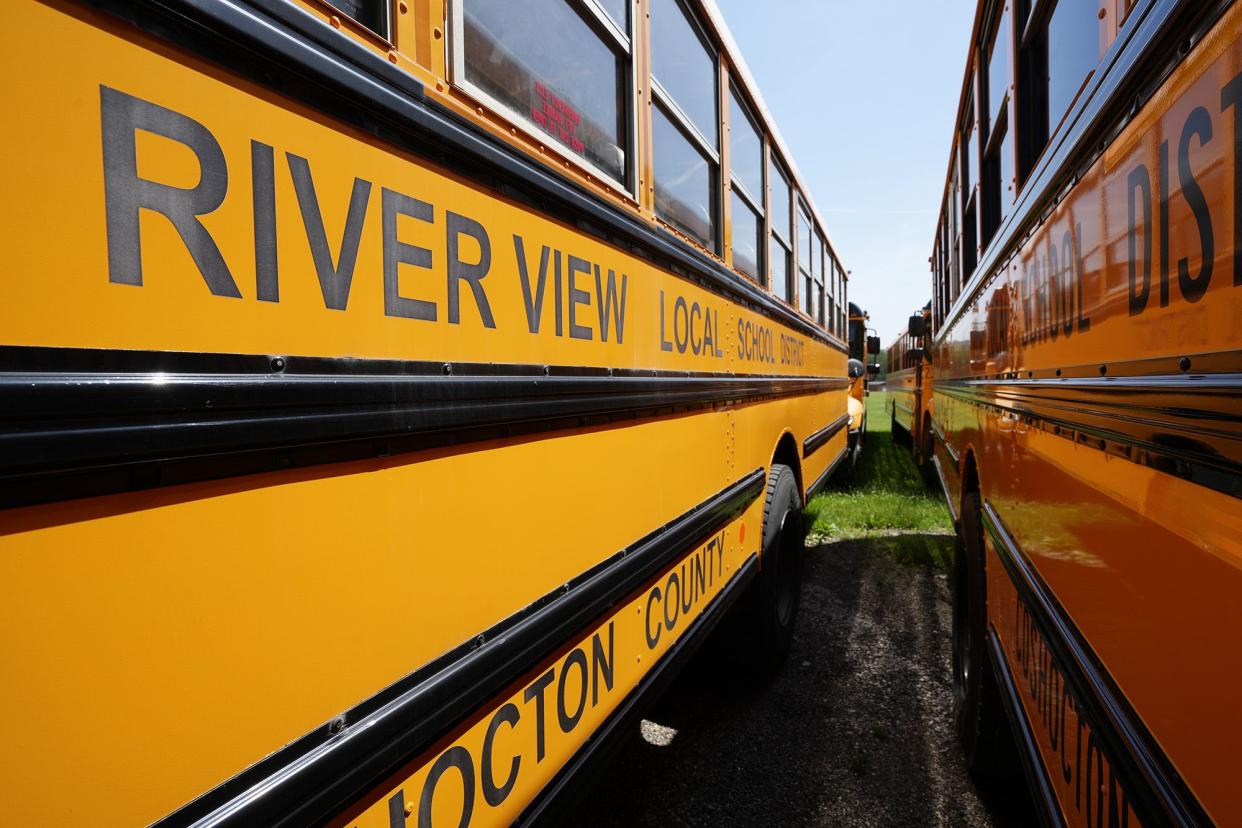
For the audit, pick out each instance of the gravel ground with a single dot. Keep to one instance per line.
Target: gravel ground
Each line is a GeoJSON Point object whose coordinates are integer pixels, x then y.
{"type": "Point", "coordinates": [855, 730]}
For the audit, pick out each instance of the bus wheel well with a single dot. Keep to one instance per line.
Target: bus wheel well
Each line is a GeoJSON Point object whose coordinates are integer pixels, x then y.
{"type": "Point", "coordinates": [787, 454]}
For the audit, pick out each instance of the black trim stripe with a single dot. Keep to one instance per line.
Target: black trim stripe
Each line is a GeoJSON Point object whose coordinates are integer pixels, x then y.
{"type": "Point", "coordinates": [331, 767]}
{"type": "Point", "coordinates": [550, 808]}
{"type": "Point", "coordinates": [939, 432]}
{"type": "Point", "coordinates": [1158, 793]}
{"type": "Point", "coordinates": [1049, 809]}
{"type": "Point", "coordinates": [266, 41]}
{"type": "Point", "coordinates": [1186, 425]}
{"type": "Point", "coordinates": [820, 438]}
{"type": "Point", "coordinates": [78, 422]}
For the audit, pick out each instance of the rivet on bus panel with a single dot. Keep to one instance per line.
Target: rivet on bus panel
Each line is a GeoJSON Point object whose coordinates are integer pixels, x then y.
{"type": "Point", "coordinates": [392, 57]}
{"type": "Point", "coordinates": [335, 21]}
{"type": "Point", "coordinates": [1184, 364]}
{"type": "Point", "coordinates": [402, 7]}
{"type": "Point", "coordinates": [278, 363]}
{"type": "Point", "coordinates": [448, 369]}
{"type": "Point", "coordinates": [437, 33]}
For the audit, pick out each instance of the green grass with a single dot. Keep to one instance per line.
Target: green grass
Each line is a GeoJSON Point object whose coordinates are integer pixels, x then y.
{"type": "Point", "coordinates": [888, 495]}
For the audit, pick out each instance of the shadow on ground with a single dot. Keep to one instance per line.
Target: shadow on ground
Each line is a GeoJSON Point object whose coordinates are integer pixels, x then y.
{"type": "Point", "coordinates": [855, 729]}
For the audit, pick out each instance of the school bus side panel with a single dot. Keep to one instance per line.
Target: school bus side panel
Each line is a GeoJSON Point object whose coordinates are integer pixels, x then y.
{"type": "Point", "coordinates": [1132, 283]}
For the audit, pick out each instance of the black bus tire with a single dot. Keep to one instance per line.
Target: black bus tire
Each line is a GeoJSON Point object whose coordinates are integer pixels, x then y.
{"type": "Point", "coordinates": [772, 602]}
{"type": "Point", "coordinates": [978, 715]}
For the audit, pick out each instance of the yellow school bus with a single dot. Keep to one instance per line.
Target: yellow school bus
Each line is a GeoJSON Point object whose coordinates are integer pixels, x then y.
{"type": "Point", "coordinates": [909, 383]}
{"type": "Point", "coordinates": [1087, 283]}
{"type": "Point", "coordinates": [395, 393]}
{"type": "Point", "coordinates": [862, 346]}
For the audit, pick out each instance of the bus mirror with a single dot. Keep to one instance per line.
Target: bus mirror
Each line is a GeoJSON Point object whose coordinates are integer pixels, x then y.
{"type": "Point", "coordinates": [873, 345]}
{"type": "Point", "coordinates": [918, 325]}
{"type": "Point", "coordinates": [855, 368]}
{"type": "Point", "coordinates": [913, 356]}
{"type": "Point", "coordinates": [873, 370]}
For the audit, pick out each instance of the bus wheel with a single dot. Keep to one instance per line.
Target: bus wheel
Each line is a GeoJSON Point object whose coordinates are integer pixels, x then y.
{"type": "Point", "coordinates": [977, 712]}
{"type": "Point", "coordinates": [774, 597]}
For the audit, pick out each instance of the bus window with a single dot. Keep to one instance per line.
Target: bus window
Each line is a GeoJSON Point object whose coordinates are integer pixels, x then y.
{"type": "Point", "coordinates": [576, 97]}
{"type": "Point", "coordinates": [686, 124]}
{"type": "Point", "coordinates": [618, 11]}
{"type": "Point", "coordinates": [806, 249]}
{"type": "Point", "coordinates": [817, 291]}
{"type": "Point", "coordinates": [1060, 51]}
{"type": "Point", "coordinates": [684, 66]}
{"type": "Point", "coordinates": [746, 169]}
{"type": "Point", "coordinates": [684, 181]}
{"type": "Point", "coordinates": [998, 146]}
{"type": "Point", "coordinates": [779, 206]}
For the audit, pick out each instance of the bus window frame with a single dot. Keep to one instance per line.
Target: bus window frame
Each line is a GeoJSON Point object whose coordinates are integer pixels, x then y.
{"type": "Point", "coordinates": [599, 20]}
{"type": "Point", "coordinates": [386, 36]}
{"type": "Point", "coordinates": [662, 98]}
{"type": "Point", "coordinates": [736, 94]}
{"type": "Point", "coordinates": [804, 268]}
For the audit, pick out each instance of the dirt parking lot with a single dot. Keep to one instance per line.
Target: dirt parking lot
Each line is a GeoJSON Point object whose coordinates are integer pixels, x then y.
{"type": "Point", "coordinates": [854, 731]}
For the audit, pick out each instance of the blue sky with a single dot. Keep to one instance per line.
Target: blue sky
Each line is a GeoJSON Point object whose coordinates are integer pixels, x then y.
{"type": "Point", "coordinates": [864, 94]}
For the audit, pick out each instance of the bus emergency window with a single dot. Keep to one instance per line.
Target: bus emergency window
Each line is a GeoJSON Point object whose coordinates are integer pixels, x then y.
{"type": "Point", "coordinates": [373, 14]}
{"type": "Point", "coordinates": [514, 55]}
{"type": "Point", "coordinates": [779, 196]}
{"type": "Point", "coordinates": [684, 183]}
{"type": "Point", "coordinates": [686, 124]}
{"type": "Point", "coordinates": [746, 171]}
